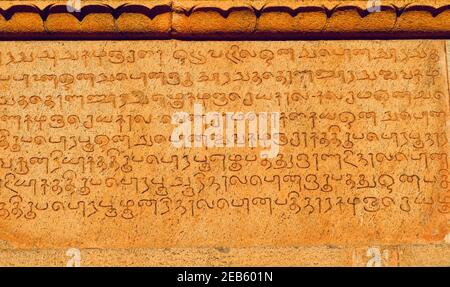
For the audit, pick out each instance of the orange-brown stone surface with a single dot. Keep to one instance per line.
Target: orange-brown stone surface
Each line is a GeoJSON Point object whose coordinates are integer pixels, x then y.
{"type": "Point", "coordinates": [89, 176]}
{"type": "Point", "coordinates": [249, 18]}
{"type": "Point", "coordinates": [359, 175]}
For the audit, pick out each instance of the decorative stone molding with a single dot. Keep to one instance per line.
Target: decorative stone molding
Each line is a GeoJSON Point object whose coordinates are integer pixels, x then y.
{"type": "Point", "coordinates": [217, 19]}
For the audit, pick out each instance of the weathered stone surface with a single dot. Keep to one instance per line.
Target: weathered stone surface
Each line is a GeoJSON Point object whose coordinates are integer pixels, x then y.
{"type": "Point", "coordinates": [345, 246]}
{"type": "Point", "coordinates": [248, 18]}
{"type": "Point", "coordinates": [87, 161]}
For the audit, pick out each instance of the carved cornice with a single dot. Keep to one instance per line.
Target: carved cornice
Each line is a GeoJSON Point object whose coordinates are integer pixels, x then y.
{"type": "Point", "coordinates": [210, 19]}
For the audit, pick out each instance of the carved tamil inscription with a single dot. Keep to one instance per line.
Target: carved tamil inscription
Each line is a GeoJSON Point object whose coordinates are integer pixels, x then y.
{"type": "Point", "coordinates": [193, 144]}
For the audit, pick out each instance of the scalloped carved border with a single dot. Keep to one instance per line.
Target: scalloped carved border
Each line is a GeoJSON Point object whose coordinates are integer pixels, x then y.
{"type": "Point", "coordinates": [161, 19]}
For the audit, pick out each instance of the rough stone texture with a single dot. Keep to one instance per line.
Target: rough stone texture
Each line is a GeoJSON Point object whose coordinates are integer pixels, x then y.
{"type": "Point", "coordinates": [406, 255]}
{"type": "Point", "coordinates": [397, 236]}
{"type": "Point", "coordinates": [185, 18]}
{"type": "Point", "coordinates": [237, 18]}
